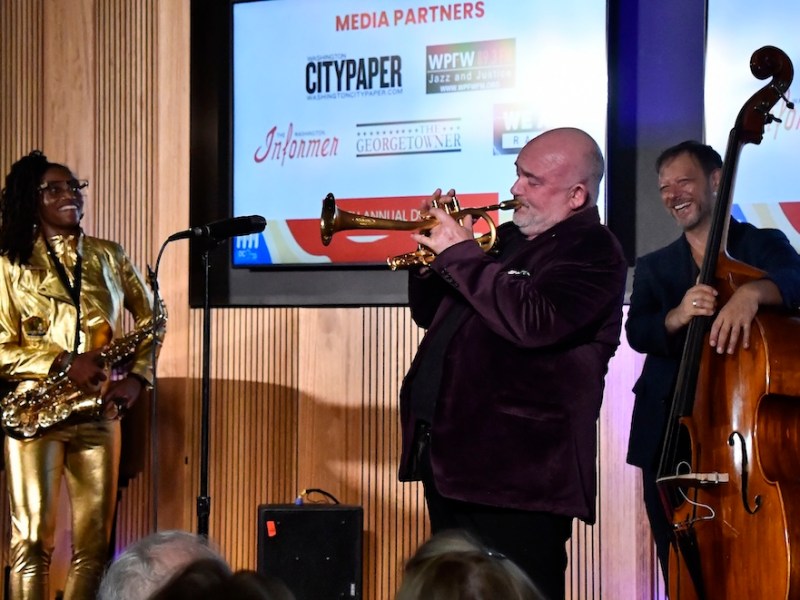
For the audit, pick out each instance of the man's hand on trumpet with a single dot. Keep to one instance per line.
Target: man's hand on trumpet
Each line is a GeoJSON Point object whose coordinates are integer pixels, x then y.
{"type": "Point", "coordinates": [448, 231]}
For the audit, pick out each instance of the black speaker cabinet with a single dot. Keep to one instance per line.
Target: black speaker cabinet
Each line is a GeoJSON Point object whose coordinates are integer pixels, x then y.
{"type": "Point", "coordinates": [314, 548]}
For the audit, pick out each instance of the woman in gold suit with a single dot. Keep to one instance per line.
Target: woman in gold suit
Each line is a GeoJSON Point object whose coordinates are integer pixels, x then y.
{"type": "Point", "coordinates": [62, 300]}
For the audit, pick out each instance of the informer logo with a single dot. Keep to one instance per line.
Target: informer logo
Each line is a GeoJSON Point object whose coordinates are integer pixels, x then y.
{"type": "Point", "coordinates": [408, 137]}
{"type": "Point", "coordinates": [280, 146]}
{"type": "Point", "coordinates": [470, 66]}
{"type": "Point", "coordinates": [514, 126]}
{"type": "Point", "coordinates": [335, 76]}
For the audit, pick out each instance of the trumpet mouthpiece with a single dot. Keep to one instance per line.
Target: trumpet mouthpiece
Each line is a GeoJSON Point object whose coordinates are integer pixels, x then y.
{"type": "Point", "coordinates": [509, 204]}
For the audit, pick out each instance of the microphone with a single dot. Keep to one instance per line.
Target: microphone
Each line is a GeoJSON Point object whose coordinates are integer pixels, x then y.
{"type": "Point", "coordinates": [223, 229]}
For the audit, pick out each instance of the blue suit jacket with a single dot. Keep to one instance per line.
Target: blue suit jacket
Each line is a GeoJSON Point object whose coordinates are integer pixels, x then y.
{"type": "Point", "coordinates": [515, 419]}
{"type": "Point", "coordinates": [660, 281]}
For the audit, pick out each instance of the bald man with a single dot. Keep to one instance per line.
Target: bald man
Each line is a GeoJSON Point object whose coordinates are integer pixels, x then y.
{"type": "Point", "coordinates": [499, 407]}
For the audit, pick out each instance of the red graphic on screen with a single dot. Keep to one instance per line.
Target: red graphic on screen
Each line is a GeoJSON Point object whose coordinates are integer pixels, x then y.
{"type": "Point", "coordinates": [375, 245]}
{"type": "Point", "coordinates": [792, 212]}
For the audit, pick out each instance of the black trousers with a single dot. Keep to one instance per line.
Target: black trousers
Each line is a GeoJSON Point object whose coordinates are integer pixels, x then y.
{"type": "Point", "coordinates": [535, 541]}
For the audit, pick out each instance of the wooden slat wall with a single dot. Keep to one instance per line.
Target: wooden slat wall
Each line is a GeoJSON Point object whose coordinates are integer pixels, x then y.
{"type": "Point", "coordinates": [253, 421]}
{"type": "Point", "coordinates": [393, 511]}
{"type": "Point", "coordinates": [353, 361]}
{"type": "Point", "coordinates": [22, 76]}
{"type": "Point", "coordinates": [122, 194]}
{"type": "Point", "coordinates": [300, 398]}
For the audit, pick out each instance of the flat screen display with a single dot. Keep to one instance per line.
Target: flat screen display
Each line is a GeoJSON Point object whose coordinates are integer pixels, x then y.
{"type": "Point", "coordinates": [767, 190]}
{"type": "Point", "coordinates": [380, 103]}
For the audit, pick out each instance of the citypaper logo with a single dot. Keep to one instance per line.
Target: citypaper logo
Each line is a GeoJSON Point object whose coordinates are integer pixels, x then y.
{"type": "Point", "coordinates": [335, 76]}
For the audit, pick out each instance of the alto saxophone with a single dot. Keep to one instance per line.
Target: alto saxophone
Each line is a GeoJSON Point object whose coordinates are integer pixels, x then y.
{"type": "Point", "coordinates": [30, 412]}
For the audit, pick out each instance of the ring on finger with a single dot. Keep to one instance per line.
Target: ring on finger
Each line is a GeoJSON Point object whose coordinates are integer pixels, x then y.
{"type": "Point", "coordinates": [694, 303]}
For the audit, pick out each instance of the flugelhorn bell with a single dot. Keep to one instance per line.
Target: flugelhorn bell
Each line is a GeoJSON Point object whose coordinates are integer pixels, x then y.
{"type": "Point", "coordinates": [334, 220]}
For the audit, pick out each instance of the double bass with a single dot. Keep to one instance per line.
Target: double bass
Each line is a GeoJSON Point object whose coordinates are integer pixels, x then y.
{"type": "Point", "coordinates": [729, 472]}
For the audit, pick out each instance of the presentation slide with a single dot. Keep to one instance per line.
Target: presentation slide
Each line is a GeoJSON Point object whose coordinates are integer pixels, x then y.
{"type": "Point", "coordinates": [380, 103]}
{"type": "Point", "coordinates": [767, 190]}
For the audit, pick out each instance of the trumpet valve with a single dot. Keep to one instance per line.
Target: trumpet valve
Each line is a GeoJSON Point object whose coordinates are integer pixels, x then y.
{"type": "Point", "coordinates": [448, 204]}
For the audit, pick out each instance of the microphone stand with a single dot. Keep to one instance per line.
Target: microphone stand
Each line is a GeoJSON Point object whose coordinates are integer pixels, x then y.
{"type": "Point", "coordinates": [251, 225]}
{"type": "Point", "coordinates": [152, 276]}
{"type": "Point", "coordinates": [211, 236]}
{"type": "Point", "coordinates": [203, 499]}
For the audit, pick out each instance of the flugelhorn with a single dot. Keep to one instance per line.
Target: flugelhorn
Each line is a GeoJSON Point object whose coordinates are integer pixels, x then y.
{"type": "Point", "coordinates": [334, 220]}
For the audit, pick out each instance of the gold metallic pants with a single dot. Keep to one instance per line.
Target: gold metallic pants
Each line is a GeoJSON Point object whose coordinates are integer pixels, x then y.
{"type": "Point", "coordinates": [88, 456]}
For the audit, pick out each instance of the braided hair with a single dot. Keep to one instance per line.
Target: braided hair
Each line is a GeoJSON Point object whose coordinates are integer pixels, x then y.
{"type": "Point", "coordinates": [19, 206]}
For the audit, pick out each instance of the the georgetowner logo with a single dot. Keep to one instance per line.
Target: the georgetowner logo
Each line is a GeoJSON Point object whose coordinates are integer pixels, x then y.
{"type": "Point", "coordinates": [408, 137]}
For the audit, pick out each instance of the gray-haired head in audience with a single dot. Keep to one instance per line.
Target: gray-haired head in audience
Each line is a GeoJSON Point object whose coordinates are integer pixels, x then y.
{"type": "Point", "coordinates": [148, 564]}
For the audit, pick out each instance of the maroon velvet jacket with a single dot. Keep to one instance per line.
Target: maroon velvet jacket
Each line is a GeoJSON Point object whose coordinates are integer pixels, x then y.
{"type": "Point", "coordinates": [515, 420]}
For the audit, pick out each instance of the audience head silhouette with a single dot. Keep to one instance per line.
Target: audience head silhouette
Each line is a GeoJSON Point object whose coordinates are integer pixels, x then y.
{"type": "Point", "coordinates": [207, 580]}
{"type": "Point", "coordinates": [452, 565]}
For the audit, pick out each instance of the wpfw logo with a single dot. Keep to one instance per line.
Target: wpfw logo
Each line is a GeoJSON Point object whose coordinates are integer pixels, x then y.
{"type": "Point", "coordinates": [470, 66]}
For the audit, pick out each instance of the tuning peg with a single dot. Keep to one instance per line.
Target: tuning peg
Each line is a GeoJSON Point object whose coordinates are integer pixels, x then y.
{"type": "Point", "coordinates": [789, 104]}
